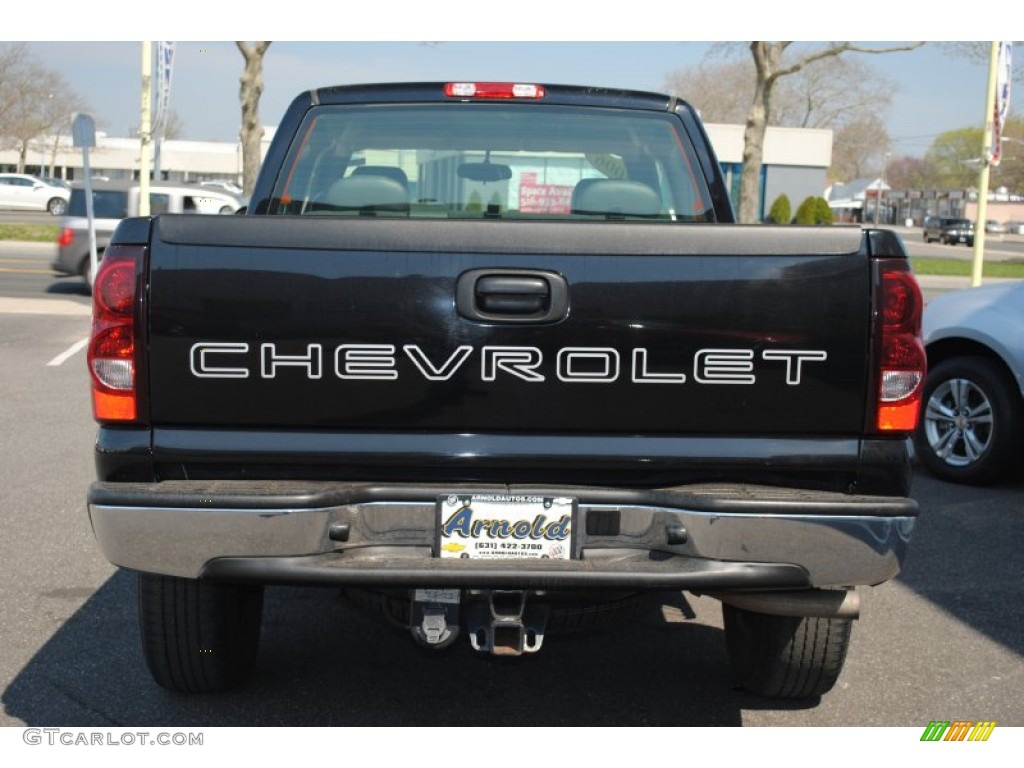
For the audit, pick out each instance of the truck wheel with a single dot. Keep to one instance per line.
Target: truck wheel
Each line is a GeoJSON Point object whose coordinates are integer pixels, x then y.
{"type": "Point", "coordinates": [785, 657]}
{"type": "Point", "coordinates": [198, 637]}
{"type": "Point", "coordinates": [969, 422]}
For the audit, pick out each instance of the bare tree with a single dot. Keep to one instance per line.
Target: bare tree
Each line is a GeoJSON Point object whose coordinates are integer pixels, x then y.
{"type": "Point", "coordinates": [35, 103]}
{"type": "Point", "coordinates": [13, 59]}
{"type": "Point", "coordinates": [907, 172]}
{"type": "Point", "coordinates": [174, 126]}
{"type": "Point", "coordinates": [834, 93]}
{"type": "Point", "coordinates": [858, 148]}
{"type": "Point", "coordinates": [249, 95]}
{"type": "Point", "coordinates": [720, 90]}
{"type": "Point", "coordinates": [769, 68]}
{"type": "Point", "coordinates": [978, 52]}
{"type": "Point", "coordinates": [831, 94]}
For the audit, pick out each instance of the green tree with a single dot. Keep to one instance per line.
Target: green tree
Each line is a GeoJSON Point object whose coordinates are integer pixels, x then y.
{"type": "Point", "coordinates": [781, 211]}
{"type": "Point", "coordinates": [954, 157]}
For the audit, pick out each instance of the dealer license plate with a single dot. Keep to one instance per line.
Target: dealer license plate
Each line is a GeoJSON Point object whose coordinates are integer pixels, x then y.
{"type": "Point", "coordinates": [495, 526]}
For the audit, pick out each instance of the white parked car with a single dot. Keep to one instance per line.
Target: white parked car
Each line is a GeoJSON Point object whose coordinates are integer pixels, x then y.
{"type": "Point", "coordinates": [972, 425]}
{"type": "Point", "coordinates": [20, 191]}
{"type": "Point", "coordinates": [223, 184]}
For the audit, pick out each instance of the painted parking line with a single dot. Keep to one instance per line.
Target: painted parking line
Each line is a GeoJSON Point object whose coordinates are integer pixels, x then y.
{"type": "Point", "coordinates": [64, 356]}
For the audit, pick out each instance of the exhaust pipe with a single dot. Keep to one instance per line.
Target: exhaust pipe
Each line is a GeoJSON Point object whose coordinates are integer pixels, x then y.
{"type": "Point", "coordinates": [813, 603]}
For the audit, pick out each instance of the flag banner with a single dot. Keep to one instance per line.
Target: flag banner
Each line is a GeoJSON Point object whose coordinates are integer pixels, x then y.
{"type": "Point", "coordinates": [164, 72]}
{"type": "Point", "coordinates": [1004, 75]}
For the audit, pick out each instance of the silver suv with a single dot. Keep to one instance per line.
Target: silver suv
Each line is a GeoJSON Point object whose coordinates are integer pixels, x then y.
{"type": "Point", "coordinates": [113, 201]}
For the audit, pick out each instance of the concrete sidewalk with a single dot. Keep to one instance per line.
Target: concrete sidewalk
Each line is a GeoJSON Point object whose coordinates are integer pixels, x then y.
{"type": "Point", "coordinates": [9, 247]}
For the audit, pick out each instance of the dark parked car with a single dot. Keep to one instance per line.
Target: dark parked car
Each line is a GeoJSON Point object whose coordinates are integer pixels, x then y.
{"type": "Point", "coordinates": [949, 230]}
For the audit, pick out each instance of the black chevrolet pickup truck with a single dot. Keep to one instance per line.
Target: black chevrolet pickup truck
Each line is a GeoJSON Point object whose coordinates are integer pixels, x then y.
{"type": "Point", "coordinates": [496, 360]}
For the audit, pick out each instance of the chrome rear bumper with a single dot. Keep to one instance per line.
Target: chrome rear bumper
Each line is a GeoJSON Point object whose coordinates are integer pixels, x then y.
{"type": "Point", "coordinates": [700, 538]}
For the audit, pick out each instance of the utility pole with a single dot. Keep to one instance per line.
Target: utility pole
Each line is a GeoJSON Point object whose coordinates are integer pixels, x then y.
{"type": "Point", "coordinates": [145, 127]}
{"type": "Point", "coordinates": [987, 153]}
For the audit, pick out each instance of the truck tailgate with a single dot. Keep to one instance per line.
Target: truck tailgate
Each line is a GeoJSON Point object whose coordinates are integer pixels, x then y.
{"type": "Point", "coordinates": [354, 324]}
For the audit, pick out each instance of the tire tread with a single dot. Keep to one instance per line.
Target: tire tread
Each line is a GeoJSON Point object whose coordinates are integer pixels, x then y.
{"type": "Point", "coordinates": [785, 657]}
{"type": "Point", "coordinates": [198, 637]}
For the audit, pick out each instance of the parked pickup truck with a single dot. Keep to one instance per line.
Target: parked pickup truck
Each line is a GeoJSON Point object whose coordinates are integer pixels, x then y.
{"type": "Point", "coordinates": [495, 360]}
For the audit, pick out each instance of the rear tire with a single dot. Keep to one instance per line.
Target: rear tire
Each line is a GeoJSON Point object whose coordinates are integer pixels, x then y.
{"type": "Point", "coordinates": [198, 637]}
{"type": "Point", "coordinates": [785, 657]}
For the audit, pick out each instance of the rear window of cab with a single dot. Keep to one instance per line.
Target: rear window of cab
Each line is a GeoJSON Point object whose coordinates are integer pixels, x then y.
{"type": "Point", "coordinates": [487, 160]}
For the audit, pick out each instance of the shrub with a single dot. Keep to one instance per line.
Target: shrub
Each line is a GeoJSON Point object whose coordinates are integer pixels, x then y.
{"type": "Point", "coordinates": [822, 214]}
{"type": "Point", "coordinates": [805, 212]}
{"type": "Point", "coordinates": [813, 210]}
{"type": "Point", "coordinates": [781, 211]}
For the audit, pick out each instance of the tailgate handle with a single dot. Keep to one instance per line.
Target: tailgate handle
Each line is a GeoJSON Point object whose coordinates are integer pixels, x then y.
{"type": "Point", "coordinates": [512, 296]}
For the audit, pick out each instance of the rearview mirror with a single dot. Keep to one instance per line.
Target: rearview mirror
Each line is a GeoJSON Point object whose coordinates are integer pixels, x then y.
{"type": "Point", "coordinates": [485, 172]}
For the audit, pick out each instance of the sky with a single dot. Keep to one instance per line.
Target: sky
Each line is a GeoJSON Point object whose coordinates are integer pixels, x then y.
{"type": "Point", "coordinates": [936, 91]}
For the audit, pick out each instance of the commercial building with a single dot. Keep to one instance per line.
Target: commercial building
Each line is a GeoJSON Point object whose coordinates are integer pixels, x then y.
{"type": "Point", "coordinates": [867, 200]}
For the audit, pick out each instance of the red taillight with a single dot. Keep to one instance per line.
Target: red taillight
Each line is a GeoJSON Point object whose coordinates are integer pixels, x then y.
{"type": "Point", "coordinates": [113, 344]}
{"type": "Point", "coordinates": [66, 237]}
{"type": "Point", "coordinates": [494, 90]}
{"type": "Point", "coordinates": [902, 363]}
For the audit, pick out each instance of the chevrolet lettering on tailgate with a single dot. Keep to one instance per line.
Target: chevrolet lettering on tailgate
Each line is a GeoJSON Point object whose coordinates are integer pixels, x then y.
{"type": "Point", "coordinates": [599, 365]}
